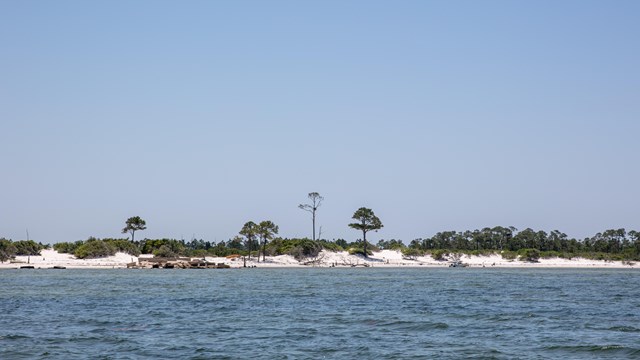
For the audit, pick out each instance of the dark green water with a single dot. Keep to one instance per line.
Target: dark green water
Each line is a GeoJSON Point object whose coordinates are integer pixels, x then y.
{"type": "Point", "coordinates": [320, 314]}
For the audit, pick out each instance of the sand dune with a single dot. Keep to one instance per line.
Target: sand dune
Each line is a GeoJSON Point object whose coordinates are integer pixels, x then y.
{"type": "Point", "coordinates": [384, 258]}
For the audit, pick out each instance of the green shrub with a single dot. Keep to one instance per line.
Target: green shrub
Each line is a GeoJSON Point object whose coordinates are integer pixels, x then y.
{"type": "Point", "coordinates": [124, 245]}
{"type": "Point", "coordinates": [220, 250]}
{"type": "Point", "coordinates": [299, 248]}
{"type": "Point", "coordinates": [94, 248]}
{"type": "Point", "coordinates": [164, 251]}
{"type": "Point", "coordinates": [67, 247]}
{"type": "Point", "coordinates": [7, 250]}
{"type": "Point", "coordinates": [359, 251]}
{"type": "Point", "coordinates": [482, 252]}
{"type": "Point", "coordinates": [305, 248]}
{"type": "Point", "coordinates": [198, 253]}
{"type": "Point", "coordinates": [392, 244]}
{"type": "Point", "coordinates": [28, 247]}
{"type": "Point", "coordinates": [411, 253]}
{"type": "Point", "coordinates": [150, 246]}
{"type": "Point", "coordinates": [277, 246]}
{"type": "Point", "coordinates": [439, 254]}
{"type": "Point", "coordinates": [271, 251]}
{"type": "Point", "coordinates": [549, 254]}
{"type": "Point", "coordinates": [331, 246]}
{"type": "Point", "coordinates": [531, 255]}
{"type": "Point", "coordinates": [509, 255]}
{"type": "Point", "coordinates": [371, 247]}
{"type": "Point", "coordinates": [120, 245]}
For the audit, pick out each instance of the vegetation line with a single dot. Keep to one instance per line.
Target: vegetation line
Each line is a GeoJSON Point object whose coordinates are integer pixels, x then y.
{"type": "Point", "coordinates": [613, 244]}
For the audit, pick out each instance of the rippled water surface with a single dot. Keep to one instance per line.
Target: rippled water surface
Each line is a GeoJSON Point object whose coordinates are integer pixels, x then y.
{"type": "Point", "coordinates": [320, 314]}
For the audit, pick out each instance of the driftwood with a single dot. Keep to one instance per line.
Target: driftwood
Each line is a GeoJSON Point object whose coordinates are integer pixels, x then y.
{"type": "Point", "coordinates": [316, 260]}
{"type": "Point", "coordinates": [175, 263]}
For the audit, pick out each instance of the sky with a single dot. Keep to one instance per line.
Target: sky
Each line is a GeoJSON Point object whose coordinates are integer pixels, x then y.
{"type": "Point", "coordinates": [199, 116]}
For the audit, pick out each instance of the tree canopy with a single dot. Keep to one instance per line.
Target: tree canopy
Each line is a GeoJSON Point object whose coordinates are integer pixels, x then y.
{"type": "Point", "coordinates": [250, 232]}
{"type": "Point", "coordinates": [366, 221]}
{"type": "Point", "coordinates": [266, 230]}
{"type": "Point", "coordinates": [134, 224]}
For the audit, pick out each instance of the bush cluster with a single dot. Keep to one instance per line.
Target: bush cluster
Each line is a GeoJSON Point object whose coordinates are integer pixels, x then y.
{"type": "Point", "coordinates": [530, 255]}
{"type": "Point", "coordinates": [359, 251]}
{"type": "Point", "coordinates": [411, 253]}
{"type": "Point", "coordinates": [94, 248]}
{"type": "Point", "coordinates": [67, 247]}
{"type": "Point", "coordinates": [10, 249]}
{"type": "Point", "coordinates": [7, 250]}
{"type": "Point", "coordinates": [28, 247]}
{"type": "Point", "coordinates": [439, 254]}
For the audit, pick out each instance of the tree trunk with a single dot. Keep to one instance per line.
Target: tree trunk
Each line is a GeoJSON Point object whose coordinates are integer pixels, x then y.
{"type": "Point", "coordinates": [314, 224]}
{"type": "Point", "coordinates": [264, 250]}
{"type": "Point", "coordinates": [364, 240]}
{"type": "Point", "coordinates": [133, 234]}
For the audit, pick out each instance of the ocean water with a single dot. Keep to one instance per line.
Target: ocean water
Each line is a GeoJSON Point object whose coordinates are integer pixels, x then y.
{"type": "Point", "coordinates": [361, 313]}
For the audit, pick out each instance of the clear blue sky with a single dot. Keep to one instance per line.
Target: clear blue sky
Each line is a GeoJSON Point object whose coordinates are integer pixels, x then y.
{"type": "Point", "coordinates": [201, 115]}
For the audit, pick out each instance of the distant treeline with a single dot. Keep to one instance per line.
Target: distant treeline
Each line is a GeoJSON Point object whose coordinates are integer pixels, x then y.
{"type": "Point", "coordinates": [614, 244]}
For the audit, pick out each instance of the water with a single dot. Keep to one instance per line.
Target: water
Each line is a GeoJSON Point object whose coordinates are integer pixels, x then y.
{"type": "Point", "coordinates": [320, 314]}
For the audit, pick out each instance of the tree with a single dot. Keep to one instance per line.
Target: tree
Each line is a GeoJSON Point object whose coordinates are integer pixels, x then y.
{"type": "Point", "coordinates": [266, 229]}
{"type": "Point", "coordinates": [635, 244]}
{"type": "Point", "coordinates": [367, 221]}
{"type": "Point", "coordinates": [342, 243]}
{"type": "Point", "coordinates": [134, 224]}
{"type": "Point", "coordinates": [250, 231]}
{"type": "Point", "coordinates": [392, 244]}
{"type": "Point", "coordinates": [235, 244]}
{"type": "Point", "coordinates": [316, 200]}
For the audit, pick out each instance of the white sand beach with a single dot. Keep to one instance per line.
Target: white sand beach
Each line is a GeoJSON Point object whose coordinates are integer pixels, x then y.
{"type": "Point", "coordinates": [385, 258]}
{"type": "Point", "coordinates": [50, 258]}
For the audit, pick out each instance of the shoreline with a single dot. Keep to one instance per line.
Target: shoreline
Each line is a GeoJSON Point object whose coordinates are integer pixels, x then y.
{"type": "Point", "coordinates": [382, 259]}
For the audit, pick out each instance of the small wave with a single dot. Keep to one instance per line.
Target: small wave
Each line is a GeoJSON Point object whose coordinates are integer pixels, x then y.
{"type": "Point", "coordinates": [415, 326]}
{"type": "Point", "coordinates": [624, 329]}
{"type": "Point", "coordinates": [14, 337]}
{"type": "Point", "coordinates": [142, 327]}
{"type": "Point", "coordinates": [618, 328]}
{"type": "Point", "coordinates": [609, 349]}
{"type": "Point", "coordinates": [85, 339]}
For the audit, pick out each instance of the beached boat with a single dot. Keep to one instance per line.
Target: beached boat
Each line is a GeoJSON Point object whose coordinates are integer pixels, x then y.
{"type": "Point", "coordinates": [458, 263]}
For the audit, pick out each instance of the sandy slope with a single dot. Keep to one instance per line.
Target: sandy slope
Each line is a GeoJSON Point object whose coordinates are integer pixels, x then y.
{"type": "Point", "coordinates": [384, 258]}
{"type": "Point", "coordinates": [51, 258]}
